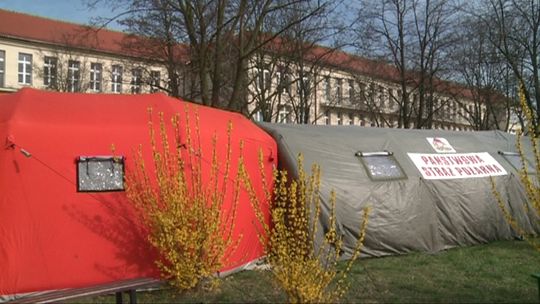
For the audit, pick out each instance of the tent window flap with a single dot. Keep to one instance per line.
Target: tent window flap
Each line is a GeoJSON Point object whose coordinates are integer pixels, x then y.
{"type": "Point", "coordinates": [100, 173]}
{"type": "Point", "coordinates": [515, 160]}
{"type": "Point", "coordinates": [381, 166]}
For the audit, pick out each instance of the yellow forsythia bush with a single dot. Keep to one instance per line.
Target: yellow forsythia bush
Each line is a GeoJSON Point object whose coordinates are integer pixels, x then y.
{"type": "Point", "coordinates": [305, 273]}
{"type": "Point", "coordinates": [529, 182]}
{"type": "Point", "coordinates": [182, 211]}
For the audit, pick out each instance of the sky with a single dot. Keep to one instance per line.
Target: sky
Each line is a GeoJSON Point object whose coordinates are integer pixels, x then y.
{"type": "Point", "coordinates": [67, 10]}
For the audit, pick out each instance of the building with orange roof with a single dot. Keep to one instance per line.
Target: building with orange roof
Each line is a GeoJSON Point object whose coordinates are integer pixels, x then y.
{"type": "Point", "coordinates": [345, 89]}
{"type": "Point", "coordinates": [335, 87]}
{"type": "Point", "coordinates": [50, 54]}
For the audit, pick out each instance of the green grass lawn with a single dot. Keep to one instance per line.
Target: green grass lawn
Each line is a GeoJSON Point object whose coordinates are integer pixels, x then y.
{"type": "Point", "coordinates": [496, 272]}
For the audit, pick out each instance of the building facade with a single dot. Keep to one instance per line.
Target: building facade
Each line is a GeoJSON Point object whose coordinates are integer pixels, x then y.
{"type": "Point", "coordinates": [334, 88]}
{"type": "Point", "coordinates": [48, 54]}
{"type": "Point", "coordinates": [342, 89]}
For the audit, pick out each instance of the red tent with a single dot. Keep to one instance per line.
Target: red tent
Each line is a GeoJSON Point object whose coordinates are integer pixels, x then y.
{"type": "Point", "coordinates": [56, 230]}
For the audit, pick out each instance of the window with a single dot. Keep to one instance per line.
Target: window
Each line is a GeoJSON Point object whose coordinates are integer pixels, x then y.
{"type": "Point", "coordinates": [515, 160]}
{"type": "Point", "coordinates": [362, 90]}
{"type": "Point", "coordinates": [339, 90]}
{"type": "Point", "coordinates": [136, 81]}
{"type": "Point", "coordinates": [302, 115]}
{"type": "Point", "coordinates": [2, 68]}
{"type": "Point", "coordinates": [351, 119]}
{"type": "Point", "coordinates": [50, 72]}
{"type": "Point", "coordinates": [265, 81]}
{"type": "Point", "coordinates": [258, 116]}
{"type": "Point", "coordinates": [381, 166]}
{"type": "Point", "coordinates": [352, 93]}
{"type": "Point", "coordinates": [284, 83]}
{"type": "Point", "coordinates": [382, 98]}
{"type": "Point", "coordinates": [340, 118]}
{"type": "Point", "coordinates": [116, 78]}
{"type": "Point", "coordinates": [327, 89]}
{"type": "Point", "coordinates": [155, 81]}
{"type": "Point", "coordinates": [436, 108]}
{"type": "Point", "coordinates": [283, 115]}
{"type": "Point", "coordinates": [445, 110]}
{"type": "Point", "coordinates": [74, 76]}
{"type": "Point", "coordinates": [25, 68]}
{"type": "Point", "coordinates": [327, 117]}
{"type": "Point", "coordinates": [303, 88]}
{"type": "Point", "coordinates": [100, 173]}
{"type": "Point", "coordinates": [95, 76]}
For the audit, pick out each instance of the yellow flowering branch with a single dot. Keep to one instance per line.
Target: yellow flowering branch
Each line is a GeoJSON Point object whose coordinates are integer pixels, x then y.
{"type": "Point", "coordinates": [180, 206]}
{"type": "Point", "coordinates": [304, 273]}
{"type": "Point", "coordinates": [529, 182]}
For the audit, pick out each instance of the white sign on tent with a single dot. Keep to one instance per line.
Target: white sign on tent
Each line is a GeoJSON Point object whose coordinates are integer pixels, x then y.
{"type": "Point", "coordinates": [440, 145]}
{"type": "Point", "coordinates": [459, 165]}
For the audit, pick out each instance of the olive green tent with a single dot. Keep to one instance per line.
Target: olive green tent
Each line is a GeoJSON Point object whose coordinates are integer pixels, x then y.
{"type": "Point", "coordinates": [429, 189]}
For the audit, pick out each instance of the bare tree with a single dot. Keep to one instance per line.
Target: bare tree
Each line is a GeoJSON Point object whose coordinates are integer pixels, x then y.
{"type": "Point", "coordinates": [291, 67]}
{"type": "Point", "coordinates": [382, 31]}
{"type": "Point", "coordinates": [484, 71]}
{"type": "Point", "coordinates": [513, 28]}
{"type": "Point", "coordinates": [432, 27]}
{"type": "Point", "coordinates": [220, 37]}
{"type": "Point", "coordinates": [154, 38]}
{"type": "Point", "coordinates": [412, 35]}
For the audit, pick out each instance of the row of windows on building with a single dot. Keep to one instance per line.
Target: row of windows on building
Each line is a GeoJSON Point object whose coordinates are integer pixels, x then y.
{"type": "Point", "coordinates": [384, 99]}
{"type": "Point", "coordinates": [333, 87]}
{"type": "Point", "coordinates": [283, 83]}
{"type": "Point", "coordinates": [73, 78]}
{"type": "Point", "coordinates": [284, 115]}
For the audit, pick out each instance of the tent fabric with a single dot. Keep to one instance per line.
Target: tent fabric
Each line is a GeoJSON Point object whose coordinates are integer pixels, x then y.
{"type": "Point", "coordinates": [53, 237]}
{"type": "Point", "coordinates": [411, 214]}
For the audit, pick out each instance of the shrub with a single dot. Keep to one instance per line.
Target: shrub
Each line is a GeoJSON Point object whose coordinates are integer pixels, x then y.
{"type": "Point", "coordinates": [307, 273]}
{"type": "Point", "coordinates": [528, 181]}
{"type": "Point", "coordinates": [180, 200]}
